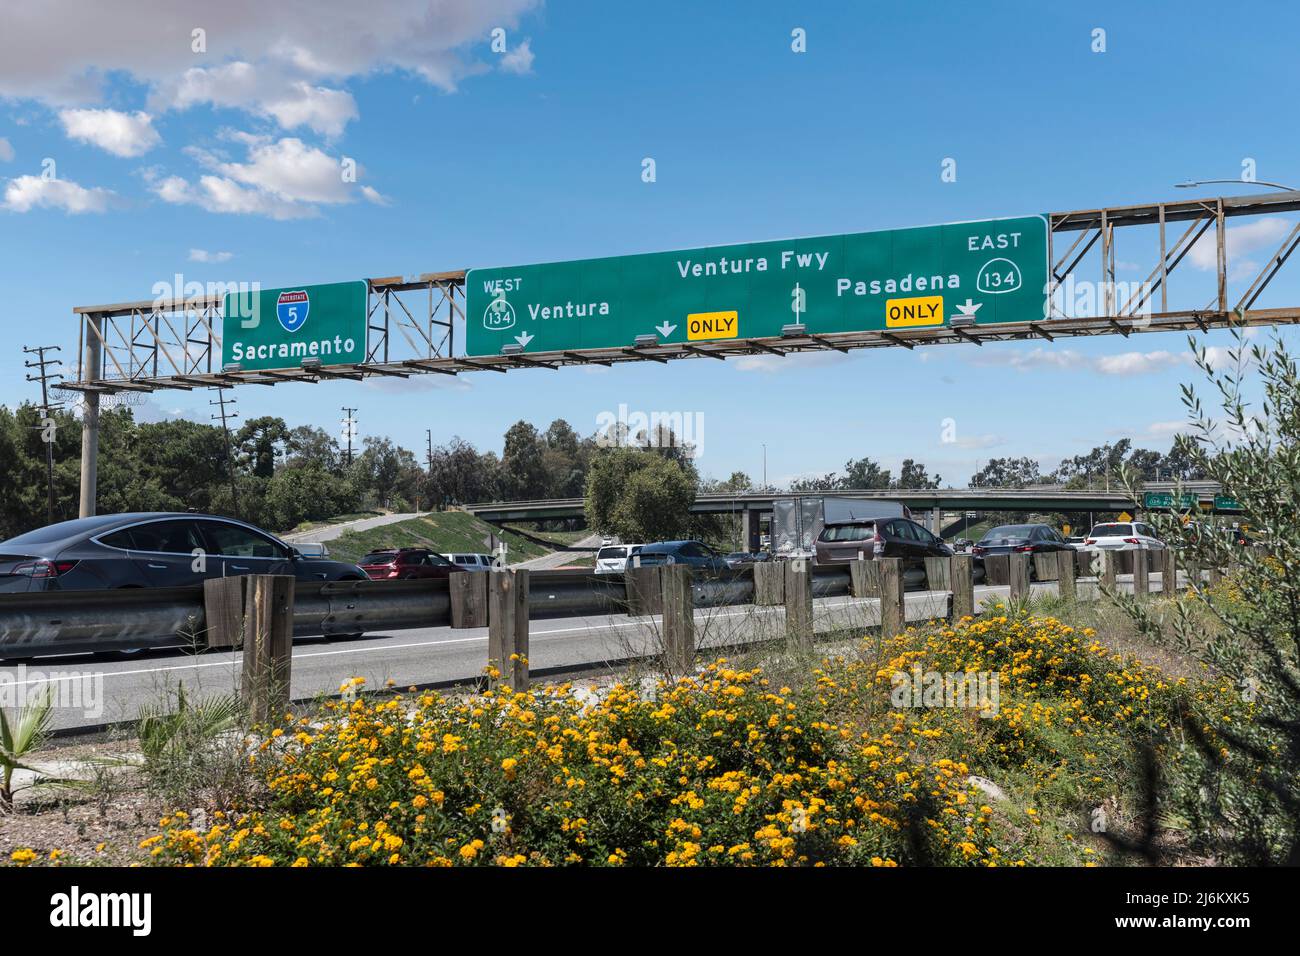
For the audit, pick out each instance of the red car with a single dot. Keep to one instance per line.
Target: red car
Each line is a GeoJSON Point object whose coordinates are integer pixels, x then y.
{"type": "Point", "coordinates": [404, 564]}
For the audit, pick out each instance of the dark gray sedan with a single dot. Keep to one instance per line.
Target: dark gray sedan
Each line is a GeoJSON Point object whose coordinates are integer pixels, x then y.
{"type": "Point", "coordinates": [152, 550]}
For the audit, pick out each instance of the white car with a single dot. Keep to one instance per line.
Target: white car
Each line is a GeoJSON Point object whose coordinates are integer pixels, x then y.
{"type": "Point", "coordinates": [470, 562]}
{"type": "Point", "coordinates": [1122, 536]}
{"type": "Point", "coordinates": [613, 558]}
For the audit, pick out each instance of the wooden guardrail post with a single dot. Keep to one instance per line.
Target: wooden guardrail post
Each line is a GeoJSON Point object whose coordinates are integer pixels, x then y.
{"type": "Point", "coordinates": [268, 645]}
{"type": "Point", "coordinates": [1107, 577]}
{"type": "Point", "coordinates": [1168, 572]}
{"type": "Point", "coordinates": [223, 611]}
{"type": "Point", "coordinates": [769, 583]}
{"type": "Point", "coordinates": [1087, 564]}
{"type": "Point", "coordinates": [997, 569]}
{"type": "Point", "coordinates": [644, 591]}
{"type": "Point", "coordinates": [1018, 576]}
{"type": "Point", "coordinates": [1065, 577]}
{"type": "Point", "coordinates": [893, 615]}
{"type": "Point", "coordinates": [508, 627]}
{"type": "Point", "coordinates": [469, 599]}
{"type": "Point", "coordinates": [798, 603]}
{"type": "Point", "coordinates": [963, 586]}
{"type": "Point", "coordinates": [864, 578]}
{"type": "Point", "coordinates": [1141, 573]}
{"type": "Point", "coordinates": [679, 620]}
{"type": "Point", "coordinates": [1047, 566]}
{"type": "Point", "coordinates": [937, 576]}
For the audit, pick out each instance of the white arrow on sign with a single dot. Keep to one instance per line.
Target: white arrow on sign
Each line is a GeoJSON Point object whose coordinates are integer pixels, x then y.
{"type": "Point", "coordinates": [665, 330]}
{"type": "Point", "coordinates": [524, 339]}
{"type": "Point", "coordinates": [969, 307]}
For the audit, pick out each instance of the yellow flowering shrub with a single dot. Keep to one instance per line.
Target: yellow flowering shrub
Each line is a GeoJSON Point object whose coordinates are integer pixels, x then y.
{"type": "Point", "coordinates": [722, 768]}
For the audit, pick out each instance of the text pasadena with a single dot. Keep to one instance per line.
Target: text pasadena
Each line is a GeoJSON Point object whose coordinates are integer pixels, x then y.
{"type": "Point", "coordinates": [287, 350]}
{"type": "Point", "coordinates": [907, 283]}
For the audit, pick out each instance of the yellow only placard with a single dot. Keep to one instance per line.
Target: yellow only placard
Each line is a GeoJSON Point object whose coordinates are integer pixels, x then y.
{"type": "Point", "coordinates": [922, 310]}
{"type": "Point", "coordinates": [712, 325]}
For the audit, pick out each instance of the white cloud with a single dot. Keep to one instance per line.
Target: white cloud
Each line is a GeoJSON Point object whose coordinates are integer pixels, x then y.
{"type": "Point", "coordinates": [6, 150]}
{"type": "Point", "coordinates": [980, 441]}
{"type": "Point", "coordinates": [1239, 241]}
{"type": "Point", "coordinates": [1138, 363]}
{"type": "Point", "coordinates": [780, 363]}
{"type": "Point", "coordinates": [1023, 361]}
{"type": "Point", "coordinates": [1164, 430]}
{"type": "Point", "coordinates": [519, 60]}
{"type": "Point", "coordinates": [283, 179]}
{"type": "Point", "coordinates": [296, 52]}
{"type": "Point", "coordinates": [1121, 363]}
{"type": "Point", "coordinates": [217, 194]}
{"type": "Point", "coordinates": [266, 91]}
{"type": "Point", "coordinates": [25, 193]}
{"type": "Point", "coordinates": [122, 134]}
{"type": "Point", "coordinates": [202, 255]}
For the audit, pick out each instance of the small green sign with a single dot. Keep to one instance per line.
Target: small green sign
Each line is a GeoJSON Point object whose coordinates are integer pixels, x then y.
{"type": "Point", "coordinates": [282, 328]}
{"type": "Point", "coordinates": [978, 272]}
{"type": "Point", "coordinates": [1225, 503]}
{"type": "Point", "coordinates": [1165, 499]}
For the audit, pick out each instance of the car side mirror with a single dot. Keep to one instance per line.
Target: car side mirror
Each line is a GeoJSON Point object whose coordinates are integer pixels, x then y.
{"type": "Point", "coordinates": [295, 554]}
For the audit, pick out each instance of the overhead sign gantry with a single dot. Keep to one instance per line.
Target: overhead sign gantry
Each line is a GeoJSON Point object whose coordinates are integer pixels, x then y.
{"type": "Point", "coordinates": [667, 306]}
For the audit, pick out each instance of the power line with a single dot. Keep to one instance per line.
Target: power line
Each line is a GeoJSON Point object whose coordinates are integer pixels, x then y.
{"type": "Point", "coordinates": [224, 416]}
{"type": "Point", "coordinates": [47, 423]}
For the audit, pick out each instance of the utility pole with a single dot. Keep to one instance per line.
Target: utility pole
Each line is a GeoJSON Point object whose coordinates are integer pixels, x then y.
{"type": "Point", "coordinates": [428, 455]}
{"type": "Point", "coordinates": [47, 429]}
{"type": "Point", "coordinates": [349, 429]}
{"type": "Point", "coordinates": [225, 417]}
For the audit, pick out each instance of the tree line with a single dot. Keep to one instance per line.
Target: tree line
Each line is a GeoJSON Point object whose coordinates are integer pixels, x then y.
{"type": "Point", "coordinates": [638, 487]}
{"type": "Point", "coordinates": [267, 472]}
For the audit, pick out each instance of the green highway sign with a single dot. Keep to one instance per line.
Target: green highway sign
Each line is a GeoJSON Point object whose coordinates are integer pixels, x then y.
{"type": "Point", "coordinates": [1225, 503]}
{"type": "Point", "coordinates": [979, 272]}
{"type": "Point", "coordinates": [1165, 499]}
{"type": "Point", "coordinates": [280, 328]}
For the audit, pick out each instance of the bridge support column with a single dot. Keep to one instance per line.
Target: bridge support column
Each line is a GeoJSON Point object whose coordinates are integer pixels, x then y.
{"type": "Point", "coordinates": [936, 519]}
{"type": "Point", "coordinates": [749, 529]}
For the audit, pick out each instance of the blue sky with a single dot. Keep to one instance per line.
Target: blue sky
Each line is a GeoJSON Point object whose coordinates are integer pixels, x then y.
{"type": "Point", "coordinates": [469, 157]}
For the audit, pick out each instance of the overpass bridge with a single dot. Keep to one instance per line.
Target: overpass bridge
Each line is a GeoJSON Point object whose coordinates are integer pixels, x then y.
{"type": "Point", "coordinates": [751, 506]}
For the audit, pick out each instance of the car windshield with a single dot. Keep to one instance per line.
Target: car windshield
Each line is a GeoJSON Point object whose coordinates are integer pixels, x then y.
{"type": "Point", "coordinates": [848, 532]}
{"type": "Point", "coordinates": [1111, 531]}
{"type": "Point", "coordinates": [379, 557]}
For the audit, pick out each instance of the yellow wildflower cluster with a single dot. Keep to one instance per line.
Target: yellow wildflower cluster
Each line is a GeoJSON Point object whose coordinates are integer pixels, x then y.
{"type": "Point", "coordinates": [717, 769]}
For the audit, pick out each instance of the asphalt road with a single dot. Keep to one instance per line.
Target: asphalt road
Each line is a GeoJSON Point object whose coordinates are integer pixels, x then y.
{"type": "Point", "coordinates": [94, 689]}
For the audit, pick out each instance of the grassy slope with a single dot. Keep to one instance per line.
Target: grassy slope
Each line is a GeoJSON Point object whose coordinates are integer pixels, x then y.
{"type": "Point", "coordinates": [443, 531]}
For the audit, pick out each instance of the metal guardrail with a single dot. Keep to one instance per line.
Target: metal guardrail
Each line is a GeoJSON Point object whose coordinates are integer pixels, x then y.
{"type": "Point", "coordinates": [70, 622]}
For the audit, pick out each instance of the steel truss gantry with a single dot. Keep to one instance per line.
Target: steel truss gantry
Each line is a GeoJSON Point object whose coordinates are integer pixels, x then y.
{"type": "Point", "coordinates": [175, 343]}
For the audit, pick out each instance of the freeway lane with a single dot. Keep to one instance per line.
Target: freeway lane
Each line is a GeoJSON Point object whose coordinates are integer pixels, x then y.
{"type": "Point", "coordinates": [92, 690]}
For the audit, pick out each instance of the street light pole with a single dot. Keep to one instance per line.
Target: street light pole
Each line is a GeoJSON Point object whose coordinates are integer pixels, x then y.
{"type": "Point", "coordinates": [1237, 182]}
